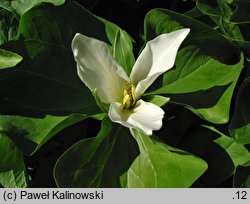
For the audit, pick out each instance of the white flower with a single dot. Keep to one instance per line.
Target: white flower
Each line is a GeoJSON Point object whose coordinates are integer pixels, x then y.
{"type": "Point", "coordinates": [99, 71]}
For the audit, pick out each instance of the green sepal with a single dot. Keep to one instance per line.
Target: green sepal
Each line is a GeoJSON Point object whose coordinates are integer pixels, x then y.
{"type": "Point", "coordinates": [104, 107]}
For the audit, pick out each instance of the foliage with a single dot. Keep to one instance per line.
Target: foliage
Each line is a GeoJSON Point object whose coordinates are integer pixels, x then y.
{"type": "Point", "coordinates": [205, 137]}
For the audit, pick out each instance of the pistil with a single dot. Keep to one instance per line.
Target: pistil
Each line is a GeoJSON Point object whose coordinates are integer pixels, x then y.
{"type": "Point", "coordinates": [129, 98]}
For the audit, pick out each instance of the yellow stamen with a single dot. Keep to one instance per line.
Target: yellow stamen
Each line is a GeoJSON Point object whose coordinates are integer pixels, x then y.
{"type": "Point", "coordinates": [129, 96]}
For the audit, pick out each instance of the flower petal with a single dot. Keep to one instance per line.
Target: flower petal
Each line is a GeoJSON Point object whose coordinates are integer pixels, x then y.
{"type": "Point", "coordinates": [145, 116]}
{"type": "Point", "coordinates": [97, 68]}
{"type": "Point", "coordinates": [157, 57]}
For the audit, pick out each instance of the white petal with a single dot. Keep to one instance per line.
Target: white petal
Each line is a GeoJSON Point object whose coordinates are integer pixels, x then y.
{"type": "Point", "coordinates": [157, 57]}
{"type": "Point", "coordinates": [145, 116]}
{"type": "Point", "coordinates": [97, 68]}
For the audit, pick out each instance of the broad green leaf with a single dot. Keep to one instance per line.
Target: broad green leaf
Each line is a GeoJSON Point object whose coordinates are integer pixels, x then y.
{"type": "Point", "coordinates": [51, 24]}
{"type": "Point", "coordinates": [221, 152]}
{"type": "Point", "coordinates": [45, 85]}
{"type": "Point", "coordinates": [9, 59]}
{"type": "Point", "coordinates": [240, 157]}
{"type": "Point", "coordinates": [200, 72]}
{"type": "Point", "coordinates": [57, 25]}
{"type": "Point", "coordinates": [19, 7]}
{"type": "Point", "coordinates": [160, 165]}
{"type": "Point", "coordinates": [196, 14]}
{"type": "Point", "coordinates": [12, 169]}
{"type": "Point", "coordinates": [8, 26]}
{"type": "Point", "coordinates": [195, 71]}
{"type": "Point", "coordinates": [29, 134]}
{"type": "Point", "coordinates": [124, 152]}
{"type": "Point", "coordinates": [97, 161]}
{"type": "Point", "coordinates": [238, 153]}
{"type": "Point", "coordinates": [207, 79]}
{"type": "Point", "coordinates": [240, 124]}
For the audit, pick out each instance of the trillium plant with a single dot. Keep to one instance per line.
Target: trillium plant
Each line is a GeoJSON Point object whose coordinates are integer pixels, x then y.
{"type": "Point", "coordinates": [101, 73]}
{"type": "Point", "coordinates": [78, 109]}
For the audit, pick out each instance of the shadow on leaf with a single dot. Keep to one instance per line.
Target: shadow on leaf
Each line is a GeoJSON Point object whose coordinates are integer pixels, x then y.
{"type": "Point", "coordinates": [201, 142]}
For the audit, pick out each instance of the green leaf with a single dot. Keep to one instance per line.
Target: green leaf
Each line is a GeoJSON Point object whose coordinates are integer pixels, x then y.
{"type": "Point", "coordinates": [202, 77]}
{"type": "Point", "coordinates": [45, 85]}
{"type": "Point", "coordinates": [48, 64]}
{"type": "Point", "coordinates": [227, 20]}
{"type": "Point", "coordinates": [6, 4]}
{"type": "Point", "coordinates": [46, 82]}
{"type": "Point", "coordinates": [241, 17]}
{"type": "Point", "coordinates": [123, 51]}
{"type": "Point", "coordinates": [221, 13]}
{"type": "Point", "coordinates": [20, 7]}
{"type": "Point", "coordinates": [124, 152]}
{"type": "Point", "coordinates": [160, 165]}
{"type": "Point", "coordinates": [104, 107]}
{"type": "Point", "coordinates": [8, 26]}
{"type": "Point", "coordinates": [221, 152]}
{"type": "Point", "coordinates": [122, 47]}
{"type": "Point", "coordinates": [238, 153]}
{"type": "Point", "coordinates": [51, 24]}
{"type": "Point", "coordinates": [240, 125]}
{"type": "Point", "coordinates": [157, 100]}
{"type": "Point", "coordinates": [29, 134]}
{"type": "Point", "coordinates": [202, 69]}
{"type": "Point", "coordinates": [58, 25]}
{"type": "Point", "coordinates": [208, 40]}
{"type": "Point", "coordinates": [12, 169]}
{"type": "Point", "coordinates": [9, 59]}
{"type": "Point", "coordinates": [194, 13]}
{"type": "Point", "coordinates": [240, 157]}
{"type": "Point", "coordinates": [195, 71]}
{"type": "Point", "coordinates": [97, 161]}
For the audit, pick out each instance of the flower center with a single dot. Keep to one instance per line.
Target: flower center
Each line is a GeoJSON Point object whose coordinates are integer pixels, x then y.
{"type": "Point", "coordinates": [129, 99]}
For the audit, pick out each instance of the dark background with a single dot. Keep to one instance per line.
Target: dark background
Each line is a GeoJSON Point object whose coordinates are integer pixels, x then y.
{"type": "Point", "coordinates": [129, 14]}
